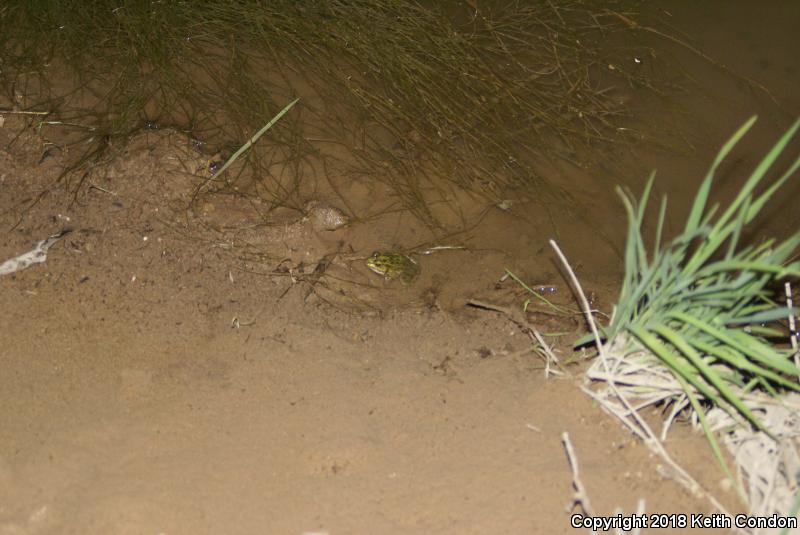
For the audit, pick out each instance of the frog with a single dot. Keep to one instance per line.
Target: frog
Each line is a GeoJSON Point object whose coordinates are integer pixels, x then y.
{"type": "Point", "coordinates": [394, 265]}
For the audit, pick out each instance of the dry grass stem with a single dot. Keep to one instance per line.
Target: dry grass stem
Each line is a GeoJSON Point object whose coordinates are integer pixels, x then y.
{"type": "Point", "coordinates": [616, 401]}
{"type": "Point", "coordinates": [581, 497]}
{"type": "Point", "coordinates": [519, 318]}
{"type": "Point", "coordinates": [792, 324]}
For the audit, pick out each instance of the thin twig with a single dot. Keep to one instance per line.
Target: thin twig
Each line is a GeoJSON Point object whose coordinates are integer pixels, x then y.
{"type": "Point", "coordinates": [792, 325]}
{"type": "Point", "coordinates": [517, 317]}
{"type": "Point", "coordinates": [644, 430]}
{"type": "Point", "coordinates": [581, 497]}
{"type": "Point", "coordinates": [23, 112]}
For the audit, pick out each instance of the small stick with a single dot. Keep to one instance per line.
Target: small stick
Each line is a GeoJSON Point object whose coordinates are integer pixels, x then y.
{"type": "Point", "coordinates": [644, 430]}
{"type": "Point", "coordinates": [640, 510]}
{"type": "Point", "coordinates": [581, 496]}
{"type": "Point", "coordinates": [518, 318]}
{"type": "Point", "coordinates": [23, 112]}
{"type": "Point", "coordinates": [587, 309]}
{"type": "Point", "coordinates": [792, 325]}
{"type": "Point", "coordinates": [104, 190]}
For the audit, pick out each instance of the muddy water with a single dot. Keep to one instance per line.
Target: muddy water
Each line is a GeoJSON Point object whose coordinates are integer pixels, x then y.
{"type": "Point", "coordinates": [749, 69]}
{"type": "Point", "coordinates": [710, 69]}
{"type": "Point", "coordinates": [713, 66]}
{"type": "Point", "coordinates": [752, 73]}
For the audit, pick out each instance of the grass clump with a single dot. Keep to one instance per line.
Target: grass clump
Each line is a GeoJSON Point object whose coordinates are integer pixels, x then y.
{"type": "Point", "coordinates": [700, 302]}
{"type": "Point", "coordinates": [694, 330]}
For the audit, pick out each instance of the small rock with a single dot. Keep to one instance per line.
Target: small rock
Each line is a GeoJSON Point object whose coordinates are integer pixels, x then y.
{"type": "Point", "coordinates": [325, 217]}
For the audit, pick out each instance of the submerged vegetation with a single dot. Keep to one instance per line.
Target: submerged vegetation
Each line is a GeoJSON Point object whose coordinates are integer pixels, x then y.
{"type": "Point", "coordinates": [409, 90]}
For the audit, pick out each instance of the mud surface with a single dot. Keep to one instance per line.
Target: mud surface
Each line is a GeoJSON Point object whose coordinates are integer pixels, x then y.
{"type": "Point", "coordinates": [187, 362]}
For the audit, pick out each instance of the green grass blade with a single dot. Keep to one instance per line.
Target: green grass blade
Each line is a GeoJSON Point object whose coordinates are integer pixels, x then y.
{"type": "Point", "coordinates": [673, 363]}
{"type": "Point", "coordinates": [734, 265]}
{"type": "Point", "coordinates": [759, 203]}
{"type": "Point", "coordinates": [765, 316]}
{"type": "Point", "coordinates": [709, 374]}
{"type": "Point", "coordinates": [738, 363]}
{"type": "Point", "coordinates": [662, 214]}
{"type": "Point", "coordinates": [255, 137]}
{"type": "Point", "coordinates": [722, 229]}
{"type": "Point", "coordinates": [712, 440]}
{"type": "Point", "coordinates": [540, 297]}
{"type": "Point", "coordinates": [752, 347]}
{"type": "Point", "coordinates": [737, 228]}
{"type": "Point", "coordinates": [699, 205]}
{"type": "Point", "coordinates": [759, 172]}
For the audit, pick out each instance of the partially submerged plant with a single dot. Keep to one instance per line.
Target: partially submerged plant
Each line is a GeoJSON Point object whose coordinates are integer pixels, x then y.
{"type": "Point", "coordinates": [701, 302]}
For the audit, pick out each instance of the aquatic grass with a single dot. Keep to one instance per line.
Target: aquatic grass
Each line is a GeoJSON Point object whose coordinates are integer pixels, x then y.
{"type": "Point", "coordinates": [249, 143]}
{"type": "Point", "coordinates": [539, 296]}
{"type": "Point", "coordinates": [426, 91]}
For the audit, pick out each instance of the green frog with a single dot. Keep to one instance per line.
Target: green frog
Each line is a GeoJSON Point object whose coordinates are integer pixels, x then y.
{"type": "Point", "coordinates": [393, 265]}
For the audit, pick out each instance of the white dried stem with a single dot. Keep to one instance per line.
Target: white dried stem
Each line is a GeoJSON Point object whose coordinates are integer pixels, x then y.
{"type": "Point", "coordinates": [581, 497]}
